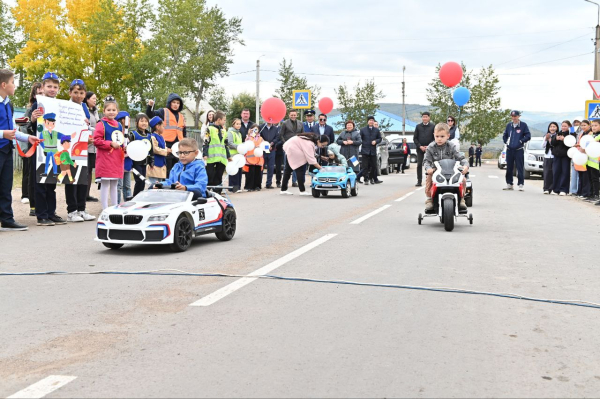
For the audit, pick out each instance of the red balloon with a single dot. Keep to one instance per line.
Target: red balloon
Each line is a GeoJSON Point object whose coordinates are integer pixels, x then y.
{"type": "Point", "coordinates": [273, 110]}
{"type": "Point", "coordinates": [451, 74]}
{"type": "Point", "coordinates": [325, 105]}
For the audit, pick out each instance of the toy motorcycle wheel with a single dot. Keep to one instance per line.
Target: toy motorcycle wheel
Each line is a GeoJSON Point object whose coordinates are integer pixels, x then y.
{"type": "Point", "coordinates": [470, 218]}
{"type": "Point", "coordinates": [111, 245]}
{"type": "Point", "coordinates": [229, 225]}
{"type": "Point", "coordinates": [420, 218]}
{"type": "Point", "coordinates": [183, 235]}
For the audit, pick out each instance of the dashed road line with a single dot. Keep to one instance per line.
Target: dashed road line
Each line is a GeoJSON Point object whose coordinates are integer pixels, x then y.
{"type": "Point", "coordinates": [405, 196]}
{"type": "Point", "coordinates": [43, 387]}
{"type": "Point", "coordinates": [244, 281]}
{"type": "Point", "coordinates": [368, 215]}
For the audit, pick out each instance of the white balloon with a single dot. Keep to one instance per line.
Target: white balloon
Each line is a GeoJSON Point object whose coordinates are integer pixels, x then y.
{"type": "Point", "coordinates": [572, 152]}
{"type": "Point", "coordinates": [250, 145]}
{"type": "Point", "coordinates": [232, 169]}
{"type": "Point", "coordinates": [137, 151]}
{"type": "Point", "coordinates": [585, 141]}
{"type": "Point", "coordinates": [258, 152]}
{"type": "Point", "coordinates": [593, 149]}
{"type": "Point", "coordinates": [456, 143]}
{"type": "Point", "coordinates": [570, 141]}
{"type": "Point", "coordinates": [199, 156]}
{"type": "Point", "coordinates": [239, 160]}
{"type": "Point", "coordinates": [241, 149]}
{"type": "Point", "coordinates": [580, 158]}
{"type": "Point", "coordinates": [174, 150]}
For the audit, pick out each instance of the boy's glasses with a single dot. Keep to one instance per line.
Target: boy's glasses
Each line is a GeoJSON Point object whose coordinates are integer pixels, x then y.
{"type": "Point", "coordinates": [184, 153]}
{"type": "Point", "coordinates": [77, 82]}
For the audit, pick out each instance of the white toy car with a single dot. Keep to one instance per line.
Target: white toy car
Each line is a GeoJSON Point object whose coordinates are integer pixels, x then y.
{"type": "Point", "coordinates": [166, 217]}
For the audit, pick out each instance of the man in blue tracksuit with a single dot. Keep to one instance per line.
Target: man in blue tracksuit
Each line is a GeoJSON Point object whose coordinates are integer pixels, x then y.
{"type": "Point", "coordinates": [515, 136]}
{"type": "Point", "coordinates": [270, 134]}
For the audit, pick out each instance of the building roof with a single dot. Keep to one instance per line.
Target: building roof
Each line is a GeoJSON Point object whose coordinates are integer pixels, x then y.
{"type": "Point", "coordinates": [394, 119]}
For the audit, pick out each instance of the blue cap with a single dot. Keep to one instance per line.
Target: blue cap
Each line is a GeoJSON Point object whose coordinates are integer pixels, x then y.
{"type": "Point", "coordinates": [50, 75]}
{"type": "Point", "coordinates": [77, 82]}
{"type": "Point", "coordinates": [51, 116]}
{"type": "Point", "coordinates": [65, 138]}
{"type": "Point", "coordinates": [515, 113]}
{"type": "Point", "coordinates": [122, 115]}
{"type": "Point", "coordinates": [155, 121]}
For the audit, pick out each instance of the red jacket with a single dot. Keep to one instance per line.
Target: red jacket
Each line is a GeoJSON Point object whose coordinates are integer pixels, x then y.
{"type": "Point", "coordinates": [109, 161]}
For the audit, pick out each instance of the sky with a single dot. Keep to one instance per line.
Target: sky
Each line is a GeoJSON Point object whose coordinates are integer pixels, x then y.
{"type": "Point", "coordinates": [542, 50]}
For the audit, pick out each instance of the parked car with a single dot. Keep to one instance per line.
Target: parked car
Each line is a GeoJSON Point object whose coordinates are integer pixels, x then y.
{"type": "Point", "coordinates": [502, 158]}
{"type": "Point", "coordinates": [534, 158]}
{"type": "Point", "coordinates": [411, 144]}
{"type": "Point", "coordinates": [382, 157]}
{"type": "Point", "coordinates": [395, 154]}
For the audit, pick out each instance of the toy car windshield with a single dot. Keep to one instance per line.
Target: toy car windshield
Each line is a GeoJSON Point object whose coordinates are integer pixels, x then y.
{"type": "Point", "coordinates": [334, 169]}
{"type": "Point", "coordinates": [167, 196]}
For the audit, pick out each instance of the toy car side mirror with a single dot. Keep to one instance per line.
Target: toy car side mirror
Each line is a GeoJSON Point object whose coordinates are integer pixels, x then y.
{"type": "Point", "coordinates": [349, 170]}
{"type": "Point", "coordinates": [200, 201]}
{"type": "Point", "coordinates": [315, 170]}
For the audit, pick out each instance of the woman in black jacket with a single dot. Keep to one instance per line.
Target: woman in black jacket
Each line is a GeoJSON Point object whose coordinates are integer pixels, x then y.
{"type": "Point", "coordinates": [561, 166]}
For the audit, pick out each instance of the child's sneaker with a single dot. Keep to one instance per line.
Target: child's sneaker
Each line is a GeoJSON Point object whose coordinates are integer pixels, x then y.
{"type": "Point", "coordinates": [86, 216]}
{"type": "Point", "coordinates": [429, 205]}
{"type": "Point", "coordinates": [74, 217]}
{"type": "Point", "coordinates": [463, 205]}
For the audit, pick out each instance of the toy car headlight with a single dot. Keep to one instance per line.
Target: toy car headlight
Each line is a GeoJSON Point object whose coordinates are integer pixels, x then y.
{"type": "Point", "coordinates": [341, 178]}
{"type": "Point", "coordinates": [158, 218]}
{"type": "Point", "coordinates": [104, 216]}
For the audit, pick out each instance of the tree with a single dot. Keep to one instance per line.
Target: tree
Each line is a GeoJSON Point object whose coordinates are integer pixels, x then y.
{"type": "Point", "coordinates": [8, 36]}
{"type": "Point", "coordinates": [440, 97]}
{"type": "Point", "coordinates": [361, 104]}
{"type": "Point", "coordinates": [289, 81]}
{"type": "Point", "coordinates": [195, 43]}
{"type": "Point", "coordinates": [238, 103]}
{"type": "Point", "coordinates": [485, 119]}
{"type": "Point", "coordinates": [218, 99]}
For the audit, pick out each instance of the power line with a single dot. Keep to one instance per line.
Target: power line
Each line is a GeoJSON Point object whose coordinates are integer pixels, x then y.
{"type": "Point", "coordinates": [418, 39]}
{"type": "Point", "coordinates": [558, 59]}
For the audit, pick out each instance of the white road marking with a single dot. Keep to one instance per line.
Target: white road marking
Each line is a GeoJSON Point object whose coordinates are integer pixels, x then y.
{"type": "Point", "coordinates": [419, 189]}
{"type": "Point", "coordinates": [405, 196]}
{"type": "Point", "coordinates": [43, 387]}
{"type": "Point", "coordinates": [493, 177]}
{"type": "Point", "coordinates": [472, 176]}
{"type": "Point", "coordinates": [242, 282]}
{"type": "Point", "coordinates": [368, 215]}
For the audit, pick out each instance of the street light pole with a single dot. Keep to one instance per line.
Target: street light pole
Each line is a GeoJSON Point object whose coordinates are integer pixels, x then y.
{"type": "Point", "coordinates": [257, 91]}
{"type": "Point", "coordinates": [403, 104]}
{"type": "Point", "coordinates": [596, 46]}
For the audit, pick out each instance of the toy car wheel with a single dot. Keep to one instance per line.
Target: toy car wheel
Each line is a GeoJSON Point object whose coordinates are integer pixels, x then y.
{"type": "Point", "coordinates": [183, 234]}
{"type": "Point", "coordinates": [354, 191]}
{"type": "Point", "coordinates": [111, 245]}
{"type": "Point", "coordinates": [346, 190]}
{"type": "Point", "coordinates": [315, 193]}
{"type": "Point", "coordinates": [420, 218]}
{"type": "Point", "coordinates": [229, 225]}
{"type": "Point", "coordinates": [470, 218]}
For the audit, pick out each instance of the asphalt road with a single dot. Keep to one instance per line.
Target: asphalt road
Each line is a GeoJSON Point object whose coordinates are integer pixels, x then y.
{"type": "Point", "coordinates": [138, 336]}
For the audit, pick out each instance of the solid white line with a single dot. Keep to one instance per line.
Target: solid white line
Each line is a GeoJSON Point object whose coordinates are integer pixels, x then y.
{"type": "Point", "coordinates": [472, 176]}
{"type": "Point", "coordinates": [236, 285]}
{"type": "Point", "coordinates": [405, 196]}
{"type": "Point", "coordinates": [493, 177]}
{"type": "Point", "coordinates": [368, 215]}
{"type": "Point", "coordinates": [43, 387]}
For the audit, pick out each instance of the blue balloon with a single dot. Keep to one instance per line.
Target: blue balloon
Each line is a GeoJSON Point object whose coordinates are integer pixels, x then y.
{"type": "Point", "coordinates": [461, 96]}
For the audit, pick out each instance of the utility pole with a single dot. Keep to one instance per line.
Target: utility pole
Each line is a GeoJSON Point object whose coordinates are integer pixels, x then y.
{"type": "Point", "coordinates": [403, 104]}
{"type": "Point", "coordinates": [258, 91]}
{"type": "Point", "coordinates": [596, 46]}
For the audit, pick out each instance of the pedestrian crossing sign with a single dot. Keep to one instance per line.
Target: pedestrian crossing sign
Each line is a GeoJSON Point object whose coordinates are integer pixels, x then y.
{"type": "Point", "coordinates": [302, 99]}
{"type": "Point", "coordinates": [592, 109]}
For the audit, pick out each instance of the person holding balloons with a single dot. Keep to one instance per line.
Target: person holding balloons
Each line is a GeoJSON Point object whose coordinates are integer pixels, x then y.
{"type": "Point", "coordinates": [234, 139]}
{"type": "Point", "coordinates": [142, 123]}
{"type": "Point", "coordinates": [584, 190]}
{"type": "Point", "coordinates": [515, 136]}
{"type": "Point", "coordinates": [254, 160]}
{"type": "Point", "coordinates": [561, 166]}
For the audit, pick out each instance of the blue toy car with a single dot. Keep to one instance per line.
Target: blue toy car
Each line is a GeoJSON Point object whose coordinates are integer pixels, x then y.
{"type": "Point", "coordinates": [334, 178]}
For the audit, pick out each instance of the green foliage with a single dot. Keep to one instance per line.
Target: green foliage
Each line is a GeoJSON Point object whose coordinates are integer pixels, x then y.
{"type": "Point", "coordinates": [289, 81]}
{"type": "Point", "coordinates": [481, 119]}
{"type": "Point", "coordinates": [238, 103]}
{"type": "Point", "coordinates": [195, 45]}
{"type": "Point", "coordinates": [358, 106]}
{"type": "Point", "coordinates": [8, 42]}
{"type": "Point", "coordinates": [218, 99]}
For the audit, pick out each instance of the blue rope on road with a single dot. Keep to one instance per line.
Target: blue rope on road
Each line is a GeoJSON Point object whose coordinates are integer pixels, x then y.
{"type": "Point", "coordinates": [310, 280]}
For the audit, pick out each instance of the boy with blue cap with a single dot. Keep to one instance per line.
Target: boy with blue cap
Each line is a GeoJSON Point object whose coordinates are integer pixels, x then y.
{"type": "Point", "coordinates": [156, 170]}
{"type": "Point", "coordinates": [7, 134]}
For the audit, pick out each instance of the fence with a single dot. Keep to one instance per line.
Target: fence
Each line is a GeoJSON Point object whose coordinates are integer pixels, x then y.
{"type": "Point", "coordinates": [17, 161]}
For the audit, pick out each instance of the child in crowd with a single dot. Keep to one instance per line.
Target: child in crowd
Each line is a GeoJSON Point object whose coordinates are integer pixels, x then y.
{"type": "Point", "coordinates": [76, 194]}
{"type": "Point", "coordinates": [94, 118]}
{"type": "Point", "coordinates": [215, 151]}
{"type": "Point", "coordinates": [254, 164]}
{"type": "Point", "coordinates": [45, 193]}
{"type": "Point", "coordinates": [593, 167]}
{"type": "Point", "coordinates": [156, 170]}
{"type": "Point", "coordinates": [561, 166]}
{"type": "Point", "coordinates": [189, 173]}
{"type": "Point", "coordinates": [27, 184]}
{"type": "Point", "coordinates": [7, 134]}
{"type": "Point", "coordinates": [139, 167]}
{"type": "Point", "coordinates": [584, 190]}
{"type": "Point", "coordinates": [109, 154]}
{"type": "Point", "coordinates": [124, 188]}
{"type": "Point", "coordinates": [174, 123]}
{"type": "Point", "coordinates": [234, 139]}
{"type": "Point", "coordinates": [436, 151]}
